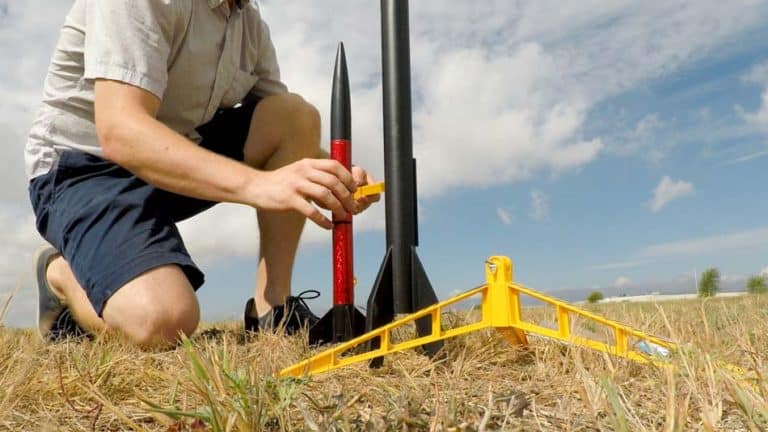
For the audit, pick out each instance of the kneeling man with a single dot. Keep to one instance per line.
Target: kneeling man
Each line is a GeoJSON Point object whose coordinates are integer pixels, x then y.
{"type": "Point", "coordinates": [155, 110]}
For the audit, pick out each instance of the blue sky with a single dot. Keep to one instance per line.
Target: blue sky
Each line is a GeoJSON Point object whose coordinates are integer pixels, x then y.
{"type": "Point", "coordinates": [600, 145]}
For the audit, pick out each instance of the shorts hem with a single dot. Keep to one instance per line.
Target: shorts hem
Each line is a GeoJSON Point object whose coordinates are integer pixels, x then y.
{"type": "Point", "coordinates": [107, 285]}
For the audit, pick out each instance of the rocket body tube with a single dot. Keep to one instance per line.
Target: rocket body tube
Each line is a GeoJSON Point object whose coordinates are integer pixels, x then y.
{"type": "Point", "coordinates": [343, 256]}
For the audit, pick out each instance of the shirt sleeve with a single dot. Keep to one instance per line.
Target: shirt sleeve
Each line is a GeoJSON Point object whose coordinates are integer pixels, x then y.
{"type": "Point", "coordinates": [129, 41]}
{"type": "Point", "coordinates": [267, 69]}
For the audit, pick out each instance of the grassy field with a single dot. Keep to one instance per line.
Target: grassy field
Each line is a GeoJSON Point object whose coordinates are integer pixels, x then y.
{"type": "Point", "coordinates": [220, 380]}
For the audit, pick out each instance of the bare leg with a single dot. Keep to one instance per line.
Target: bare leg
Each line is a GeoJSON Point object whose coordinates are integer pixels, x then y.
{"type": "Point", "coordinates": [145, 315]}
{"type": "Point", "coordinates": [68, 290]}
{"type": "Point", "coordinates": [284, 129]}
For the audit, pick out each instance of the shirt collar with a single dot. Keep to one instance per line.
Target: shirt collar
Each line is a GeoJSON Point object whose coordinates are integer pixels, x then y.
{"type": "Point", "coordinates": [216, 3]}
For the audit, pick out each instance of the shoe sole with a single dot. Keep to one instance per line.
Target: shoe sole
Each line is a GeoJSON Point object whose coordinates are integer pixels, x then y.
{"type": "Point", "coordinates": [49, 307]}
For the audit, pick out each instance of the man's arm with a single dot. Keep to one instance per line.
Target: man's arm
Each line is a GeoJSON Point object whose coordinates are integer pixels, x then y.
{"type": "Point", "coordinates": [133, 138]}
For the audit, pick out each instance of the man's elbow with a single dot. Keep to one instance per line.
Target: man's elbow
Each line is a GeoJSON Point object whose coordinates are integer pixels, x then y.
{"type": "Point", "coordinates": [121, 113]}
{"type": "Point", "coordinates": [113, 138]}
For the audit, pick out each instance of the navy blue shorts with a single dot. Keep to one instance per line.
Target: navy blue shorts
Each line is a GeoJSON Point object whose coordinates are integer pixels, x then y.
{"type": "Point", "coordinates": [111, 226]}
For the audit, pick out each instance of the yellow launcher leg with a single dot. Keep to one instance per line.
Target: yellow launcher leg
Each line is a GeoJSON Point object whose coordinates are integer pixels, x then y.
{"type": "Point", "coordinates": [501, 309]}
{"type": "Point", "coordinates": [500, 306]}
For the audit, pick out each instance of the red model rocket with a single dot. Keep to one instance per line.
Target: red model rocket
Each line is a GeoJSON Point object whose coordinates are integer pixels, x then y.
{"type": "Point", "coordinates": [341, 151]}
{"type": "Point", "coordinates": [344, 321]}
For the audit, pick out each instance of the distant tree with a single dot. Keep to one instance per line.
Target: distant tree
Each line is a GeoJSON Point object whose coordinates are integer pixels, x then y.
{"type": "Point", "coordinates": [594, 297]}
{"type": "Point", "coordinates": [757, 285]}
{"type": "Point", "coordinates": [709, 283]}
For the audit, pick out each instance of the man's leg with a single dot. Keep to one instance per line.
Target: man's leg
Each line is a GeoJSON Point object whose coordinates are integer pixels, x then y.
{"type": "Point", "coordinates": [123, 266]}
{"type": "Point", "coordinates": [284, 129]}
{"type": "Point", "coordinates": [152, 310]}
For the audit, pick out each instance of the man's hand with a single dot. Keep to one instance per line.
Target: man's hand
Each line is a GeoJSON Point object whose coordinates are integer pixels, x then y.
{"type": "Point", "coordinates": [294, 187]}
{"type": "Point", "coordinates": [324, 182]}
{"type": "Point", "coordinates": [362, 178]}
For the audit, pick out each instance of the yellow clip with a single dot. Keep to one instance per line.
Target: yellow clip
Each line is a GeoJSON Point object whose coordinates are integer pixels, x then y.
{"type": "Point", "coordinates": [368, 190]}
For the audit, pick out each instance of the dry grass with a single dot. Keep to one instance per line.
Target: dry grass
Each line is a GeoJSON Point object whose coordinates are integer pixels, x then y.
{"type": "Point", "coordinates": [221, 381]}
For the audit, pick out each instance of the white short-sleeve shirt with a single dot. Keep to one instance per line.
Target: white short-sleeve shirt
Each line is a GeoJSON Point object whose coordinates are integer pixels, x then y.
{"type": "Point", "coordinates": [195, 55]}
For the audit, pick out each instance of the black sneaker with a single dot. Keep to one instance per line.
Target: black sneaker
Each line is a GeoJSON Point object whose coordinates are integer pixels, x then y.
{"type": "Point", "coordinates": [65, 327]}
{"type": "Point", "coordinates": [54, 322]}
{"type": "Point", "coordinates": [292, 317]}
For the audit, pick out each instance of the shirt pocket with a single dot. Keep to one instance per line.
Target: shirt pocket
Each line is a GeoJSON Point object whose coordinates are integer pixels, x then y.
{"type": "Point", "coordinates": [242, 83]}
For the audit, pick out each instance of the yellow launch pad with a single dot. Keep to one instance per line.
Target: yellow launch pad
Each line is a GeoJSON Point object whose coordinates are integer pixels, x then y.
{"type": "Point", "coordinates": [501, 309]}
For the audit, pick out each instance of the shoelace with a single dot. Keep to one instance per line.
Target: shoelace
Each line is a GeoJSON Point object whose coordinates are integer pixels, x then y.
{"type": "Point", "coordinates": [304, 311]}
{"type": "Point", "coordinates": [66, 326]}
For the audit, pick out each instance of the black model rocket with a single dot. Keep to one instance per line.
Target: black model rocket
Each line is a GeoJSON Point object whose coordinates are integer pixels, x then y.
{"type": "Point", "coordinates": [402, 285]}
{"type": "Point", "coordinates": [343, 322]}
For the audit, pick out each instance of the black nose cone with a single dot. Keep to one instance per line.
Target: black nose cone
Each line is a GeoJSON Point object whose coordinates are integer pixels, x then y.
{"type": "Point", "coordinates": [341, 117]}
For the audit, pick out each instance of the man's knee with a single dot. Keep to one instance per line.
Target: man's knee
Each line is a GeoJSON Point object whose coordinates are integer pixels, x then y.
{"type": "Point", "coordinates": [284, 123]}
{"type": "Point", "coordinates": [295, 110]}
{"type": "Point", "coordinates": [164, 326]}
{"type": "Point", "coordinates": [155, 309]}
{"type": "Point", "coordinates": [304, 113]}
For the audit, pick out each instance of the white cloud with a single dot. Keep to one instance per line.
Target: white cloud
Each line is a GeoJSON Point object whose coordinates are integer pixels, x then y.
{"type": "Point", "coordinates": [755, 239]}
{"type": "Point", "coordinates": [757, 74]}
{"type": "Point", "coordinates": [504, 216]}
{"type": "Point", "coordinates": [667, 191]}
{"type": "Point", "coordinates": [224, 231]}
{"type": "Point", "coordinates": [758, 118]}
{"type": "Point", "coordinates": [622, 282]}
{"type": "Point", "coordinates": [764, 271]}
{"type": "Point", "coordinates": [539, 206]}
{"type": "Point", "coordinates": [642, 140]}
{"type": "Point", "coordinates": [513, 134]}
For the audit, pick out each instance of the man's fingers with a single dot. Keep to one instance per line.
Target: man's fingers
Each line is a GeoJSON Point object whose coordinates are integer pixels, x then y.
{"type": "Point", "coordinates": [312, 213]}
{"type": "Point", "coordinates": [323, 197]}
{"type": "Point", "coordinates": [335, 168]}
{"type": "Point", "coordinates": [331, 186]}
{"type": "Point", "coordinates": [361, 205]}
{"type": "Point", "coordinates": [369, 179]}
{"type": "Point", "coordinates": [365, 202]}
{"type": "Point", "coordinates": [359, 175]}
{"type": "Point", "coordinates": [330, 182]}
{"type": "Point", "coordinates": [370, 199]}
